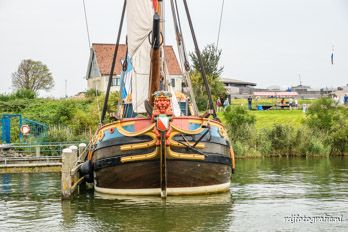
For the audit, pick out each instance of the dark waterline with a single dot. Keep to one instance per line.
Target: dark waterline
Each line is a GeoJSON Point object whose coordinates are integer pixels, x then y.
{"type": "Point", "coordinates": [266, 195]}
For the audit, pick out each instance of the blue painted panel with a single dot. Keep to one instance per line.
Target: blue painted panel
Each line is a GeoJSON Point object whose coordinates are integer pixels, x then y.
{"type": "Point", "coordinates": [214, 131]}
{"type": "Point", "coordinates": [108, 135]}
{"type": "Point", "coordinates": [194, 126]}
{"type": "Point", "coordinates": [129, 128]}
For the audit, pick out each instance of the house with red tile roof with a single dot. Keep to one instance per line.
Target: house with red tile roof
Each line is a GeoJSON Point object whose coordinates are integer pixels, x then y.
{"type": "Point", "coordinates": [100, 61]}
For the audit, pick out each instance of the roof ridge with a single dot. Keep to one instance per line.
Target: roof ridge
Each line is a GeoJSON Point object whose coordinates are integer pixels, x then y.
{"type": "Point", "coordinates": [122, 44]}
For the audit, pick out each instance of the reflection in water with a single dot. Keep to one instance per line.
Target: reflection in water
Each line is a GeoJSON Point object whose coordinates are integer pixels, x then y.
{"type": "Point", "coordinates": [152, 213]}
{"type": "Point", "coordinates": [6, 183]}
{"type": "Point", "coordinates": [263, 193]}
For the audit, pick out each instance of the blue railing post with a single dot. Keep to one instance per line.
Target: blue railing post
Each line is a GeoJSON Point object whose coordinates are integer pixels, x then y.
{"type": "Point", "coordinates": [6, 129]}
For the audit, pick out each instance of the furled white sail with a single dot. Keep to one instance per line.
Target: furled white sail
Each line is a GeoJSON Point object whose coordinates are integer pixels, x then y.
{"type": "Point", "coordinates": [139, 24]}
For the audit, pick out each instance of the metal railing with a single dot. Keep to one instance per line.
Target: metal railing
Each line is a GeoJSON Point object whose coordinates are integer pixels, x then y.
{"type": "Point", "coordinates": [38, 149]}
{"type": "Point", "coordinates": [30, 160]}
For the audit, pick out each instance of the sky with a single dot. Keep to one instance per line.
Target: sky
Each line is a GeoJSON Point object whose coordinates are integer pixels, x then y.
{"type": "Point", "coordinates": [269, 42]}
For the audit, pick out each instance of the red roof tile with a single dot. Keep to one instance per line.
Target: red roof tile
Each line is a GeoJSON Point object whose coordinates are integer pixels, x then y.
{"type": "Point", "coordinates": [104, 54]}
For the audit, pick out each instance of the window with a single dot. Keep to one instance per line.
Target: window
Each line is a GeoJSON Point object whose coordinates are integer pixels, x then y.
{"type": "Point", "coordinates": [173, 82]}
{"type": "Point", "coordinates": [115, 81]}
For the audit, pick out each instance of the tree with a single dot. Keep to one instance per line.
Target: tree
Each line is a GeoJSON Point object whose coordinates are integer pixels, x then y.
{"type": "Point", "coordinates": [211, 57]}
{"type": "Point", "coordinates": [32, 75]}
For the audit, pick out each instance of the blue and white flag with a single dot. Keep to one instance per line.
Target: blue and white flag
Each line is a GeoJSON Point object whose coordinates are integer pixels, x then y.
{"type": "Point", "coordinates": [126, 79]}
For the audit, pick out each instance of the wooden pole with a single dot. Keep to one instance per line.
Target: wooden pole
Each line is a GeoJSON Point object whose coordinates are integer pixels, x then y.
{"type": "Point", "coordinates": [163, 167]}
{"type": "Point", "coordinates": [67, 164]}
{"type": "Point", "coordinates": [37, 151]}
{"type": "Point", "coordinates": [113, 64]}
{"type": "Point", "coordinates": [82, 147]}
{"type": "Point", "coordinates": [155, 75]}
{"type": "Point", "coordinates": [74, 176]}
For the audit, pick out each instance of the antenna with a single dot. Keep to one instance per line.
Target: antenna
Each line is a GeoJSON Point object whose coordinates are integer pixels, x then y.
{"type": "Point", "coordinates": [299, 77]}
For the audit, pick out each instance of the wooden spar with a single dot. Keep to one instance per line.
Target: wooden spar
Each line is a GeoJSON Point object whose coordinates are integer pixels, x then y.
{"type": "Point", "coordinates": [155, 75]}
{"type": "Point", "coordinates": [200, 61]}
{"type": "Point", "coordinates": [105, 106]}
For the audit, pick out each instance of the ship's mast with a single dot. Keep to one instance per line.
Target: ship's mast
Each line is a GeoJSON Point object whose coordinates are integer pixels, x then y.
{"type": "Point", "coordinates": [156, 43]}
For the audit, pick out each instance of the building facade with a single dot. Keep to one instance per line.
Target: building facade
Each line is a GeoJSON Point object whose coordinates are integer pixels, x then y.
{"type": "Point", "coordinates": [100, 61]}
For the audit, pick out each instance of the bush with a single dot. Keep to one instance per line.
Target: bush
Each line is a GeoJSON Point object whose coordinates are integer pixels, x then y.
{"type": "Point", "coordinates": [59, 134]}
{"type": "Point", "coordinates": [322, 114]}
{"type": "Point", "coordinates": [263, 143]}
{"type": "Point", "coordinates": [282, 139]}
{"type": "Point", "coordinates": [92, 93]}
{"type": "Point", "coordinates": [310, 143]}
{"type": "Point", "coordinates": [324, 117]}
{"type": "Point", "coordinates": [339, 138]}
{"type": "Point", "coordinates": [239, 122]}
{"type": "Point", "coordinates": [25, 93]}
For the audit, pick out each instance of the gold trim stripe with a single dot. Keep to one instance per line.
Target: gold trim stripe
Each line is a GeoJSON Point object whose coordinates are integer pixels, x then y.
{"type": "Point", "coordinates": [141, 145]}
{"type": "Point", "coordinates": [189, 132]}
{"type": "Point", "coordinates": [140, 157]}
{"type": "Point", "coordinates": [177, 155]}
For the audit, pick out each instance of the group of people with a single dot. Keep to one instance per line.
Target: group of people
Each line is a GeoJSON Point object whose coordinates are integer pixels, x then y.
{"type": "Point", "coordinates": [222, 105]}
{"type": "Point", "coordinates": [293, 103]}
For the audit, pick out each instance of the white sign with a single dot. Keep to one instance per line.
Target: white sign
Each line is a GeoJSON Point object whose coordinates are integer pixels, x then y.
{"type": "Point", "coordinates": [25, 129]}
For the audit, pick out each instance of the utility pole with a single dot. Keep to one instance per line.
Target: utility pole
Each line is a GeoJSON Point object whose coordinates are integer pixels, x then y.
{"type": "Point", "coordinates": [66, 88]}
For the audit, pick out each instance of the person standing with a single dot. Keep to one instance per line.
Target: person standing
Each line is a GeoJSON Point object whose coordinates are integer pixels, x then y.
{"type": "Point", "coordinates": [296, 103]}
{"type": "Point", "coordinates": [345, 100]}
{"type": "Point", "coordinates": [290, 103]}
{"type": "Point", "coordinates": [226, 104]}
{"type": "Point", "coordinates": [250, 102]}
{"type": "Point", "coordinates": [218, 104]}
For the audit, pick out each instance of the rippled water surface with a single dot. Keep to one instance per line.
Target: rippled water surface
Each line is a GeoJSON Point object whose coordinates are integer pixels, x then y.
{"type": "Point", "coordinates": [266, 195]}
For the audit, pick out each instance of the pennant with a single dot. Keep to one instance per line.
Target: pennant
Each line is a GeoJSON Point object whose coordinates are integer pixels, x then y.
{"type": "Point", "coordinates": [155, 5]}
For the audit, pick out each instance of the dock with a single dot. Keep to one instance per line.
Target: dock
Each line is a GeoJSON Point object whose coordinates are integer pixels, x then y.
{"type": "Point", "coordinates": [30, 164]}
{"type": "Point", "coordinates": [32, 158]}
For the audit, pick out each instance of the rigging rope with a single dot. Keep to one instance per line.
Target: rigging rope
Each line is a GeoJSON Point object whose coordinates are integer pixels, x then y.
{"type": "Point", "coordinates": [222, 11]}
{"type": "Point", "coordinates": [84, 9]}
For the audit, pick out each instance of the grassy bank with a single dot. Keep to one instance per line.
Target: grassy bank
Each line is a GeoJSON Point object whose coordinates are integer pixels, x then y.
{"type": "Point", "coordinates": [322, 131]}
{"type": "Point", "coordinates": [269, 118]}
{"type": "Point", "coordinates": [69, 119]}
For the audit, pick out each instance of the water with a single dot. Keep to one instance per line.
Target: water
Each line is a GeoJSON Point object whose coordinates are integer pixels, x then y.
{"type": "Point", "coordinates": [263, 194]}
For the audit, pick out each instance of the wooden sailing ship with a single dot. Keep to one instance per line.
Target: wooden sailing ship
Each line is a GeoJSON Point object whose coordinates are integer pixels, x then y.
{"type": "Point", "coordinates": [158, 145]}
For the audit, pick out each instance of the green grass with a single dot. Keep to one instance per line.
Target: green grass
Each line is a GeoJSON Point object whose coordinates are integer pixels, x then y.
{"type": "Point", "coordinates": [266, 119]}
{"type": "Point", "coordinates": [267, 101]}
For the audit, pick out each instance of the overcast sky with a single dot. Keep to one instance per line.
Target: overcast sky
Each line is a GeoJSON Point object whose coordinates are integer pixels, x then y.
{"type": "Point", "coordinates": [269, 42]}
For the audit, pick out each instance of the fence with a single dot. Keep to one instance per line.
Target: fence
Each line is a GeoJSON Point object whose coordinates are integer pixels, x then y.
{"type": "Point", "coordinates": [37, 149]}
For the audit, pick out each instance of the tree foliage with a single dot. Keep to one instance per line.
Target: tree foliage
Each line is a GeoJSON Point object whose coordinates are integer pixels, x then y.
{"type": "Point", "coordinates": [325, 117]}
{"type": "Point", "coordinates": [238, 119]}
{"type": "Point", "coordinates": [32, 75]}
{"type": "Point", "coordinates": [211, 57]}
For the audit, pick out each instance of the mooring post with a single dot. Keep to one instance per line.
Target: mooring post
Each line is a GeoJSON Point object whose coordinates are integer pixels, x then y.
{"type": "Point", "coordinates": [68, 161]}
{"type": "Point", "coordinates": [74, 176]}
{"type": "Point", "coordinates": [82, 147]}
{"type": "Point", "coordinates": [37, 151]}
